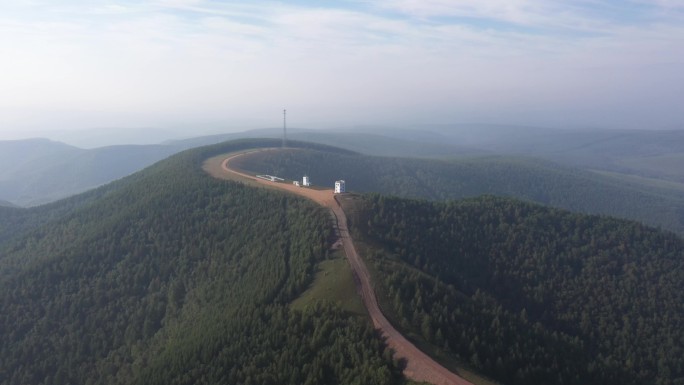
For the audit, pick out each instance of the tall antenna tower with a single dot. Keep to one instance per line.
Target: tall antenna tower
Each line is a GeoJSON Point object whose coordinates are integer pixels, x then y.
{"type": "Point", "coordinates": [284, 128]}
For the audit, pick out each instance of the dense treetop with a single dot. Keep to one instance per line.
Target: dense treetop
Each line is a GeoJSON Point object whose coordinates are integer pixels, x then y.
{"type": "Point", "coordinates": [173, 277]}
{"type": "Point", "coordinates": [169, 276]}
{"type": "Point", "coordinates": [524, 178]}
{"type": "Point", "coordinates": [532, 295]}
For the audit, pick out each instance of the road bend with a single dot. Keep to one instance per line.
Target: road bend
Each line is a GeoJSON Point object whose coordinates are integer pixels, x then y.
{"type": "Point", "coordinates": [419, 366]}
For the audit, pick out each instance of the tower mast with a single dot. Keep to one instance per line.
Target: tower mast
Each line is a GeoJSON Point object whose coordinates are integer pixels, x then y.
{"type": "Point", "coordinates": [284, 128]}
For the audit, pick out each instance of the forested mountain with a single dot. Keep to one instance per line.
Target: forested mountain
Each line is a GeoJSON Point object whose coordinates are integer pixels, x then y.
{"type": "Point", "coordinates": [14, 221]}
{"type": "Point", "coordinates": [529, 179]}
{"type": "Point", "coordinates": [39, 171]}
{"type": "Point", "coordinates": [650, 153]}
{"type": "Point", "coordinates": [528, 294]}
{"type": "Point", "coordinates": [647, 153]}
{"type": "Point", "coordinates": [170, 276]}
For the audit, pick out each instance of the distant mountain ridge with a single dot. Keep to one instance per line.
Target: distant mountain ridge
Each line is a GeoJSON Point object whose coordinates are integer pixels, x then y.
{"type": "Point", "coordinates": [529, 294]}
{"type": "Point", "coordinates": [42, 171]}
{"type": "Point", "coordinates": [523, 178]}
{"type": "Point", "coordinates": [648, 153]}
{"type": "Point", "coordinates": [172, 276]}
{"type": "Point", "coordinates": [39, 171]}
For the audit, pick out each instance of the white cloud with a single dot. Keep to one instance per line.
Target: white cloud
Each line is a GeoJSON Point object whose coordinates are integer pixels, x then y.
{"type": "Point", "coordinates": [168, 60]}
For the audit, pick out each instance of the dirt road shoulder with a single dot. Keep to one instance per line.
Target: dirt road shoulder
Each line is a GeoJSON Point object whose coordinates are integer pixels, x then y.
{"type": "Point", "coordinates": [419, 366]}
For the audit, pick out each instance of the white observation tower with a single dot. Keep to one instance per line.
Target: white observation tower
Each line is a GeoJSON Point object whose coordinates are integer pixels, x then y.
{"type": "Point", "coordinates": [339, 187]}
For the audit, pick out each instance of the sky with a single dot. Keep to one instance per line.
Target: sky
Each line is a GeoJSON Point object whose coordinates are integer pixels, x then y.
{"type": "Point", "coordinates": [194, 64]}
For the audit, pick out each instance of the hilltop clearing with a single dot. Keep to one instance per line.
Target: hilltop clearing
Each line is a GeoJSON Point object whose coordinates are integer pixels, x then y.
{"type": "Point", "coordinates": [419, 366]}
{"type": "Point", "coordinates": [528, 179]}
{"type": "Point", "coordinates": [172, 276]}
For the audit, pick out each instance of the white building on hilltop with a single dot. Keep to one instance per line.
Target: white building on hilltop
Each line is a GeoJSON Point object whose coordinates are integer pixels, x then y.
{"type": "Point", "coordinates": [305, 181]}
{"type": "Point", "coordinates": [339, 186]}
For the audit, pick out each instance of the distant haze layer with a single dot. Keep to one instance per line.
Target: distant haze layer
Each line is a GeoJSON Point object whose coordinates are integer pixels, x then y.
{"type": "Point", "coordinates": [193, 63]}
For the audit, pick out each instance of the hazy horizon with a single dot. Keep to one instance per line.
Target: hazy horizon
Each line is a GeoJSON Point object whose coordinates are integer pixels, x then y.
{"type": "Point", "coordinates": [91, 138]}
{"type": "Point", "coordinates": [196, 67]}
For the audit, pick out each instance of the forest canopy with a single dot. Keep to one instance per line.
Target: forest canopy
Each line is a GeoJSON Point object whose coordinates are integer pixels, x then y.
{"type": "Point", "coordinates": [173, 277]}
{"type": "Point", "coordinates": [529, 294]}
{"type": "Point", "coordinates": [528, 179]}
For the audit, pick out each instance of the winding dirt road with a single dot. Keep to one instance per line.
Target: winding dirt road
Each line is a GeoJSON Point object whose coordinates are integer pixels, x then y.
{"type": "Point", "coordinates": [419, 366]}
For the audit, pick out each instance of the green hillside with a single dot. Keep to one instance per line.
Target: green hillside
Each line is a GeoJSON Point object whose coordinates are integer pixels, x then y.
{"type": "Point", "coordinates": [170, 276]}
{"type": "Point", "coordinates": [38, 171]}
{"type": "Point", "coordinates": [43, 171]}
{"type": "Point", "coordinates": [15, 221]}
{"type": "Point", "coordinates": [528, 294]}
{"type": "Point", "coordinates": [642, 152]}
{"type": "Point", "coordinates": [529, 179]}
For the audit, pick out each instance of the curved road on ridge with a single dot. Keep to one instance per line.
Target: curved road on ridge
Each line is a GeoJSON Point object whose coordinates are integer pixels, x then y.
{"type": "Point", "coordinates": [419, 366]}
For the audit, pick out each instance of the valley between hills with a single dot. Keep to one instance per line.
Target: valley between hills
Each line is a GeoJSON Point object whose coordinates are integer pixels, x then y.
{"type": "Point", "coordinates": [174, 276]}
{"type": "Point", "coordinates": [418, 365]}
{"type": "Point", "coordinates": [507, 209]}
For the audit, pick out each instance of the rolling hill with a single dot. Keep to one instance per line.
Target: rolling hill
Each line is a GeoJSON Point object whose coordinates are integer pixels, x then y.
{"type": "Point", "coordinates": [39, 171]}
{"type": "Point", "coordinates": [646, 153]}
{"type": "Point", "coordinates": [172, 276]}
{"type": "Point", "coordinates": [528, 294]}
{"type": "Point", "coordinates": [42, 171]}
{"type": "Point", "coordinates": [524, 178]}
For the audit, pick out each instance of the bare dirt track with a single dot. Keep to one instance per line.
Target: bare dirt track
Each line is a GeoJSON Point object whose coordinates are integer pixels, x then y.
{"type": "Point", "coordinates": [419, 366]}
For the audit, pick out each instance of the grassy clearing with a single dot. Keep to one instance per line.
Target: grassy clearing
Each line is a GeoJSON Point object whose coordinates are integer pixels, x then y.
{"type": "Point", "coordinates": [334, 283]}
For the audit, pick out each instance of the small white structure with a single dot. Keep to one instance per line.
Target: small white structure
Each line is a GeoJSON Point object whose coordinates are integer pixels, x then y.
{"type": "Point", "coordinates": [305, 181]}
{"type": "Point", "coordinates": [270, 178]}
{"type": "Point", "coordinates": [339, 186]}
{"type": "Point", "coordinates": [296, 183]}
